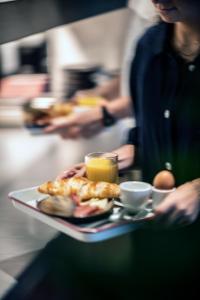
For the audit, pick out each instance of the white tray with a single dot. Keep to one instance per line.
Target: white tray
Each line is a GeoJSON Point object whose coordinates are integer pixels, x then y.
{"type": "Point", "coordinates": [25, 200]}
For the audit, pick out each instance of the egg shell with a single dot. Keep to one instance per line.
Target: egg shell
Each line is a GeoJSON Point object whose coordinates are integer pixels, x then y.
{"type": "Point", "coordinates": [164, 180]}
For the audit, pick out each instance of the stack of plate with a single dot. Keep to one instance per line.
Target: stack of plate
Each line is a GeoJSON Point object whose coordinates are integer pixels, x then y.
{"type": "Point", "coordinates": [80, 77]}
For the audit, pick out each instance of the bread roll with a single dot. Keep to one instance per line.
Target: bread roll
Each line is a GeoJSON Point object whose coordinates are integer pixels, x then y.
{"type": "Point", "coordinates": [57, 205]}
{"type": "Point", "coordinates": [82, 187]}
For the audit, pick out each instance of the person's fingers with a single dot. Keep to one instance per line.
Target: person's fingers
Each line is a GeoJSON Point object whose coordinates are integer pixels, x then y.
{"type": "Point", "coordinates": [66, 174]}
{"type": "Point", "coordinates": [162, 216]}
{"type": "Point", "coordinates": [43, 121]}
{"type": "Point", "coordinates": [60, 123]}
{"type": "Point", "coordinates": [187, 218]}
{"type": "Point", "coordinates": [177, 221]}
{"type": "Point", "coordinates": [72, 173]}
{"type": "Point", "coordinates": [69, 174]}
{"type": "Point", "coordinates": [77, 170]}
{"type": "Point", "coordinates": [63, 122]}
{"type": "Point", "coordinates": [168, 205]}
{"type": "Point", "coordinates": [167, 220]}
{"type": "Point", "coordinates": [54, 125]}
{"type": "Point", "coordinates": [173, 215]}
{"type": "Point", "coordinates": [80, 170]}
{"type": "Point", "coordinates": [50, 129]}
{"type": "Point", "coordinates": [80, 173]}
{"type": "Point", "coordinates": [64, 132]}
{"type": "Point", "coordinates": [176, 218]}
{"type": "Point", "coordinates": [182, 222]}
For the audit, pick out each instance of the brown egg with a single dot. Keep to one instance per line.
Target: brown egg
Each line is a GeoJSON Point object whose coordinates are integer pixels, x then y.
{"type": "Point", "coordinates": [164, 180]}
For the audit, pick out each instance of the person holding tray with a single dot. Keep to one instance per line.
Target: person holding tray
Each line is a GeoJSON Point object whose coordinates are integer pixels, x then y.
{"type": "Point", "coordinates": [164, 84]}
{"type": "Point", "coordinates": [165, 89]}
{"type": "Point", "coordinates": [113, 96]}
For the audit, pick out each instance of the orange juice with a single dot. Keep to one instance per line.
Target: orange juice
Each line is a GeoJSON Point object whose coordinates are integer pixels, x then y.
{"type": "Point", "coordinates": [102, 168]}
{"type": "Point", "coordinates": [88, 100]}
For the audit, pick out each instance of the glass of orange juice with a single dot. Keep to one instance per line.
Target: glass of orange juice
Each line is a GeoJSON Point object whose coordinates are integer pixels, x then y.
{"type": "Point", "coordinates": [102, 166]}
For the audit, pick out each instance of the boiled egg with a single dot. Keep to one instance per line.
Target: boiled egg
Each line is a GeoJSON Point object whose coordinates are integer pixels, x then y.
{"type": "Point", "coordinates": [164, 180]}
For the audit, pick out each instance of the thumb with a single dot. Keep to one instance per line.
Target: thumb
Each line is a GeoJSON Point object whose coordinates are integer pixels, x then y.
{"type": "Point", "coordinates": [61, 122]}
{"type": "Point", "coordinates": [50, 128]}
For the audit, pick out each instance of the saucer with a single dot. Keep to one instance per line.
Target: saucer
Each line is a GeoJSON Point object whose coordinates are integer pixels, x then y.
{"type": "Point", "coordinates": [147, 207]}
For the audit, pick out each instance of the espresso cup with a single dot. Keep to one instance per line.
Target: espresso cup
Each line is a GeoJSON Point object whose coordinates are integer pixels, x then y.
{"type": "Point", "coordinates": [135, 194]}
{"type": "Point", "coordinates": [159, 195]}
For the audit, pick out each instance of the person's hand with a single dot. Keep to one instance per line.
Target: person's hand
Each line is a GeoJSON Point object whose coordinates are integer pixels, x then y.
{"type": "Point", "coordinates": [59, 125]}
{"type": "Point", "coordinates": [126, 156]}
{"type": "Point", "coordinates": [82, 124]}
{"type": "Point", "coordinates": [77, 170]}
{"type": "Point", "coordinates": [181, 207]}
{"type": "Point", "coordinates": [125, 159]}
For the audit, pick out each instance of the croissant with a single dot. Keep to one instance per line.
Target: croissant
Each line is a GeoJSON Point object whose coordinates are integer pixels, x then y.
{"type": "Point", "coordinates": [82, 187]}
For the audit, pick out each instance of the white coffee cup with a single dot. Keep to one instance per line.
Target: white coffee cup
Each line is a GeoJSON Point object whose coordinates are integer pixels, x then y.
{"type": "Point", "coordinates": [135, 194]}
{"type": "Point", "coordinates": [159, 195]}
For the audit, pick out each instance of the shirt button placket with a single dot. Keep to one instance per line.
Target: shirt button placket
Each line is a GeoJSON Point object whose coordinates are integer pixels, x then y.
{"type": "Point", "coordinates": [167, 114]}
{"type": "Point", "coordinates": [191, 67]}
{"type": "Point", "coordinates": [168, 166]}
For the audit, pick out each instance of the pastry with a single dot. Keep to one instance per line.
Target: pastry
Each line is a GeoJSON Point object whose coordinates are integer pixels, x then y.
{"type": "Point", "coordinates": [81, 186]}
{"type": "Point", "coordinates": [57, 205]}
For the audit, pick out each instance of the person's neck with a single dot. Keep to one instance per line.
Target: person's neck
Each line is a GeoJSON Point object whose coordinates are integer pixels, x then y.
{"type": "Point", "coordinates": [187, 40]}
{"type": "Point", "coordinates": [187, 34]}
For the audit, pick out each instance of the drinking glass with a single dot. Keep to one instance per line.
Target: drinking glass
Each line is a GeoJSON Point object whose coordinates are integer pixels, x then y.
{"type": "Point", "coordinates": [102, 166]}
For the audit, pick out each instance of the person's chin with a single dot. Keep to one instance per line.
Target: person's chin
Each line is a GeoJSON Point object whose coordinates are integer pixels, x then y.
{"type": "Point", "coordinates": [169, 16]}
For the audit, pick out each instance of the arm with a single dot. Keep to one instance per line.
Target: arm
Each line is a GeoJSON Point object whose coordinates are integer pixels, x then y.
{"type": "Point", "coordinates": [125, 153]}
{"type": "Point", "coordinates": [182, 206]}
{"type": "Point", "coordinates": [89, 122]}
{"type": "Point", "coordinates": [120, 107]}
{"type": "Point", "coordinates": [126, 156]}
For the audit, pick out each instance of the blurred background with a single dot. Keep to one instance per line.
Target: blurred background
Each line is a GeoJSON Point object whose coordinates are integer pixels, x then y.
{"type": "Point", "coordinates": [52, 65]}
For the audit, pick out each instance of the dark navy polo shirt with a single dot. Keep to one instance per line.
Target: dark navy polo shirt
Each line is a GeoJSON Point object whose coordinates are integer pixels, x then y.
{"type": "Point", "coordinates": [166, 98]}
